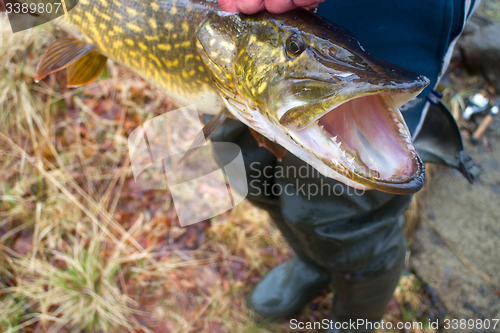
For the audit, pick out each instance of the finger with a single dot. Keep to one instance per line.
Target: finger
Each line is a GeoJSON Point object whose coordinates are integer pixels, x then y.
{"type": "Point", "coordinates": [279, 6]}
{"type": "Point", "coordinates": [226, 5]}
{"type": "Point", "coordinates": [250, 6]}
{"type": "Point", "coordinates": [307, 3]}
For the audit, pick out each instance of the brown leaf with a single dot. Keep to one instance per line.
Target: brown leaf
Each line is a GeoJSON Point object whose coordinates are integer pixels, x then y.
{"type": "Point", "coordinates": [23, 244]}
{"type": "Point", "coordinates": [214, 325]}
{"type": "Point", "coordinates": [162, 328]}
{"type": "Point", "coordinates": [226, 285]}
{"type": "Point", "coordinates": [187, 284]}
{"type": "Point", "coordinates": [108, 109]}
{"type": "Point", "coordinates": [174, 278]}
{"type": "Point", "coordinates": [393, 308]}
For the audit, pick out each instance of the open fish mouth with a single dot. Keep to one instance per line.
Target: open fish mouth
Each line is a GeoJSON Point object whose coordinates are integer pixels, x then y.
{"type": "Point", "coordinates": [367, 141]}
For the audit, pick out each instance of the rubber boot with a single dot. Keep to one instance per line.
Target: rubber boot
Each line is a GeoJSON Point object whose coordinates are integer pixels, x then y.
{"type": "Point", "coordinates": [286, 289]}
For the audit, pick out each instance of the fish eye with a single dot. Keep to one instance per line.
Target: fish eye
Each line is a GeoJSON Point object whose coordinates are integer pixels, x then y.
{"type": "Point", "coordinates": [294, 45]}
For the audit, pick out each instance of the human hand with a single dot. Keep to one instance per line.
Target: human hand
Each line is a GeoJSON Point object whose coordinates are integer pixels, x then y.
{"type": "Point", "coordinates": [272, 6]}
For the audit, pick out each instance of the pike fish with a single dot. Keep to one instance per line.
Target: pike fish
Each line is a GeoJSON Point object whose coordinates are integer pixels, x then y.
{"type": "Point", "coordinates": [301, 83]}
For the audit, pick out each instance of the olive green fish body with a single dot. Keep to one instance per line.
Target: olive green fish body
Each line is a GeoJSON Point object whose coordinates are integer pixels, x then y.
{"type": "Point", "coordinates": [156, 39]}
{"type": "Point", "coordinates": [295, 78]}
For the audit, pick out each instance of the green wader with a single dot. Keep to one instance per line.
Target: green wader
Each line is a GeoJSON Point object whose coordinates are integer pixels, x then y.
{"type": "Point", "coordinates": [340, 235]}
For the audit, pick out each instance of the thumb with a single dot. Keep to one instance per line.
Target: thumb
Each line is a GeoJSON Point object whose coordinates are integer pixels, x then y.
{"type": "Point", "coordinates": [226, 5]}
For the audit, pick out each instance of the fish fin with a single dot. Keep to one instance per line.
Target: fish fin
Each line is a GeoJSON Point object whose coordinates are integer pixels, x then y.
{"type": "Point", "coordinates": [61, 54]}
{"type": "Point", "coordinates": [273, 147]}
{"type": "Point", "coordinates": [85, 69]}
{"type": "Point", "coordinates": [206, 133]}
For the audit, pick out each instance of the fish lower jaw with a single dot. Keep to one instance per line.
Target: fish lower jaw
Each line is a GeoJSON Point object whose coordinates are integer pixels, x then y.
{"type": "Point", "coordinates": [338, 164]}
{"type": "Point", "coordinates": [277, 133]}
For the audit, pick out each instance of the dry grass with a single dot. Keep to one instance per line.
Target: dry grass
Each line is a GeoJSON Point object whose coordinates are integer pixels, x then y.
{"type": "Point", "coordinates": [84, 249]}
{"type": "Point", "coordinates": [60, 253]}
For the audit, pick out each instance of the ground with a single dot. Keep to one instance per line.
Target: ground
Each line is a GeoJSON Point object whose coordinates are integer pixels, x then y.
{"type": "Point", "coordinates": [456, 245]}
{"type": "Point", "coordinates": [82, 248]}
{"type": "Point", "coordinates": [455, 248]}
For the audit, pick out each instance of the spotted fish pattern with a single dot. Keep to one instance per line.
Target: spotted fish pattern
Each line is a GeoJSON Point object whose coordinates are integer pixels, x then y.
{"type": "Point", "coordinates": [285, 76]}
{"type": "Point", "coordinates": [155, 38]}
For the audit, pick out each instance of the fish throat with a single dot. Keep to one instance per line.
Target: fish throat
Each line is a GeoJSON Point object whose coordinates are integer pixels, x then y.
{"type": "Point", "coordinates": [373, 138]}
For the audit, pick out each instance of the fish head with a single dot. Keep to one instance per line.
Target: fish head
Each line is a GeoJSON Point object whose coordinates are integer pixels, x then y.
{"type": "Point", "coordinates": [311, 87]}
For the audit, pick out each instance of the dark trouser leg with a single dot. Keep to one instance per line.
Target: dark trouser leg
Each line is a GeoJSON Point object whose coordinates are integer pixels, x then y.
{"type": "Point", "coordinates": [285, 289]}
{"type": "Point", "coordinates": [260, 169]}
{"type": "Point", "coordinates": [364, 294]}
{"type": "Point", "coordinates": [357, 236]}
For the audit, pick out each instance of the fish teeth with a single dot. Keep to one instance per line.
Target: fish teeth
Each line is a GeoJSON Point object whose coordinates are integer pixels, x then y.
{"type": "Point", "coordinates": [393, 115]}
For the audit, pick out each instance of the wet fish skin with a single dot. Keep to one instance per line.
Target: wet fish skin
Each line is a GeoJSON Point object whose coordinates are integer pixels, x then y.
{"type": "Point", "coordinates": [279, 74]}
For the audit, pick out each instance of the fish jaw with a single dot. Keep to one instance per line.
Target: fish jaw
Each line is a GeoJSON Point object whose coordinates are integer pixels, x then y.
{"type": "Point", "coordinates": [355, 133]}
{"type": "Point", "coordinates": [364, 143]}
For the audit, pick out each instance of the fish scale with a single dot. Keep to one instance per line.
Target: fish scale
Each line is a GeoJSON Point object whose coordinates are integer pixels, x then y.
{"type": "Point", "coordinates": [157, 39]}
